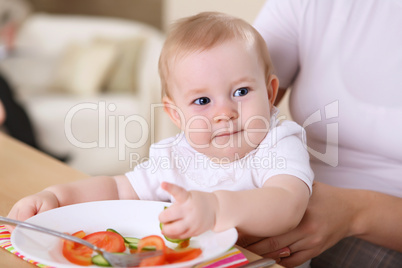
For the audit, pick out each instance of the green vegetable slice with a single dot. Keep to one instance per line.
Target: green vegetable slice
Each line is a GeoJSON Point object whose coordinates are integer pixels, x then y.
{"type": "Point", "coordinates": [133, 243]}
{"type": "Point", "coordinates": [114, 231]}
{"type": "Point", "coordinates": [100, 261]}
{"type": "Point", "coordinates": [173, 240]}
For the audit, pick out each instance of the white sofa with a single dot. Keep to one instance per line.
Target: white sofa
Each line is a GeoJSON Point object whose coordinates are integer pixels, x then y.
{"type": "Point", "coordinates": [88, 84]}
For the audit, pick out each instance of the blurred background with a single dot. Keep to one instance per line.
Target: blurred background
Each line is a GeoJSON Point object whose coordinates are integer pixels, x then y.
{"type": "Point", "coordinates": [158, 13]}
{"type": "Point", "coordinates": [85, 73]}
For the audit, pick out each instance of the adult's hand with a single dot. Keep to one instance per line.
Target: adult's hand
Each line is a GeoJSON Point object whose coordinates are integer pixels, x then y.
{"type": "Point", "coordinates": [329, 218]}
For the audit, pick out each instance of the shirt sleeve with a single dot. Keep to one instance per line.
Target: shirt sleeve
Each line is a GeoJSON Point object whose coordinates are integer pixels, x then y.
{"type": "Point", "coordinates": [146, 178]}
{"type": "Point", "coordinates": [288, 154]}
{"type": "Point", "coordinates": [278, 23]}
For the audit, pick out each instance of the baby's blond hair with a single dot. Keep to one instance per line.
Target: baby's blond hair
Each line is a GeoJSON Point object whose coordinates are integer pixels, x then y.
{"type": "Point", "coordinates": [204, 31]}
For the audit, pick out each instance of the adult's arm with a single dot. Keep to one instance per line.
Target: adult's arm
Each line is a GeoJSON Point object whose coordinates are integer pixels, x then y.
{"type": "Point", "coordinates": [332, 214]}
{"type": "Point", "coordinates": [275, 23]}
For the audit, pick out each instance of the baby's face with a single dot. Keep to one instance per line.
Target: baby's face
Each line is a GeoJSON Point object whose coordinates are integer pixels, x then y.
{"type": "Point", "coordinates": [222, 100]}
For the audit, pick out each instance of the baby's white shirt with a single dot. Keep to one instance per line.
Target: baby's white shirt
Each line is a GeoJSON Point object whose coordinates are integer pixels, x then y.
{"type": "Point", "coordinates": [283, 151]}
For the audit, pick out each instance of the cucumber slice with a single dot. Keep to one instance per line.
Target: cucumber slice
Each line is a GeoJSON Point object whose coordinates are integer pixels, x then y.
{"type": "Point", "coordinates": [112, 230]}
{"type": "Point", "coordinates": [131, 240]}
{"type": "Point", "coordinates": [133, 243]}
{"type": "Point", "coordinates": [124, 238]}
{"type": "Point", "coordinates": [99, 260]}
{"type": "Point", "coordinates": [177, 241]}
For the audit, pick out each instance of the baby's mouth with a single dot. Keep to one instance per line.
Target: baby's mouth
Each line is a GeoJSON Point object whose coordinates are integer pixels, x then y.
{"type": "Point", "coordinates": [227, 133]}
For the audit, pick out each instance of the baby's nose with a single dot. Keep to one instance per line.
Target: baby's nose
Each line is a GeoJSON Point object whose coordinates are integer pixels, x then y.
{"type": "Point", "coordinates": [226, 112]}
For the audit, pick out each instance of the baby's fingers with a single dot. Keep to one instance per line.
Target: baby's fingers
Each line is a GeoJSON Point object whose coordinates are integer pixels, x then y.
{"type": "Point", "coordinates": [179, 193]}
{"type": "Point", "coordinates": [32, 205]}
{"type": "Point", "coordinates": [22, 210]}
{"type": "Point", "coordinates": [171, 214]}
{"type": "Point", "coordinates": [176, 229]}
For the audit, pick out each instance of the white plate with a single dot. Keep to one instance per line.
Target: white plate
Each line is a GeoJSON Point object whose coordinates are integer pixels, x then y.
{"type": "Point", "coordinates": [129, 217]}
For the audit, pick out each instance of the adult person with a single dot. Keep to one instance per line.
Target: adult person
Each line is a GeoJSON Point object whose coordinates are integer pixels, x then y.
{"type": "Point", "coordinates": [343, 62]}
{"type": "Point", "coordinates": [12, 15]}
{"type": "Point", "coordinates": [13, 116]}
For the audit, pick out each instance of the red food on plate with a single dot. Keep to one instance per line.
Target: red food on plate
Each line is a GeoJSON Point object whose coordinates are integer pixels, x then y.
{"type": "Point", "coordinates": [109, 241]}
{"type": "Point", "coordinates": [82, 255]}
{"type": "Point", "coordinates": [113, 242]}
{"type": "Point", "coordinates": [77, 253]}
{"type": "Point", "coordinates": [159, 244]}
{"type": "Point", "coordinates": [187, 254]}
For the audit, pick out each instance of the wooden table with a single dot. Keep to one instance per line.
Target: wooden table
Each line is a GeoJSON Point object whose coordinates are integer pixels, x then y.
{"type": "Point", "coordinates": [25, 171]}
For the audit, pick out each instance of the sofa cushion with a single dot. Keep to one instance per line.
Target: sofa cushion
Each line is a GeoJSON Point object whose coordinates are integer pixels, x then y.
{"type": "Point", "coordinates": [84, 67]}
{"type": "Point", "coordinates": [123, 75]}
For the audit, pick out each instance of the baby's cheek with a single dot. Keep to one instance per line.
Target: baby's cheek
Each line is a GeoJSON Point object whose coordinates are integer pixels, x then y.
{"type": "Point", "coordinates": [256, 130]}
{"type": "Point", "coordinates": [257, 124]}
{"type": "Point", "coordinates": [198, 132]}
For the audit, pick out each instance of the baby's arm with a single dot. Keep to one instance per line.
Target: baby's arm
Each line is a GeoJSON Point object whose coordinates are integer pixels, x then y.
{"type": "Point", "coordinates": [275, 208]}
{"type": "Point", "coordinates": [91, 189]}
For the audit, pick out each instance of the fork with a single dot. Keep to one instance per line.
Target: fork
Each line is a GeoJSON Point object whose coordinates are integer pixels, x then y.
{"type": "Point", "coordinates": [116, 260]}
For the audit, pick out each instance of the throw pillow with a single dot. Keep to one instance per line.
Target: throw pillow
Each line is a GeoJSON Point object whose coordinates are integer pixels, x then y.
{"type": "Point", "coordinates": [123, 75]}
{"type": "Point", "coordinates": [84, 67]}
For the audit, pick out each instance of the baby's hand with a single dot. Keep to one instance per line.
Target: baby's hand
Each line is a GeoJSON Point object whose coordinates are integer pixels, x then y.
{"type": "Point", "coordinates": [32, 205]}
{"type": "Point", "coordinates": [193, 213]}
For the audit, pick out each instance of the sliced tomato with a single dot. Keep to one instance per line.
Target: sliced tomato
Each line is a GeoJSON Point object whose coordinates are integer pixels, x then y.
{"type": "Point", "coordinates": [114, 242]}
{"type": "Point", "coordinates": [77, 253]}
{"type": "Point", "coordinates": [187, 254]}
{"type": "Point", "coordinates": [107, 240]}
{"type": "Point", "coordinates": [159, 244]}
{"type": "Point", "coordinates": [81, 255]}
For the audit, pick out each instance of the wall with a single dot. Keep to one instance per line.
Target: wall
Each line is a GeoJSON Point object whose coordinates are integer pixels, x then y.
{"type": "Point", "coordinates": [174, 9]}
{"type": "Point", "coordinates": [148, 11]}
{"type": "Point", "coordinates": [159, 13]}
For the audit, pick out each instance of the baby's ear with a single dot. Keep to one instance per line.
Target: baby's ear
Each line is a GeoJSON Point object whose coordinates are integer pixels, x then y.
{"type": "Point", "coordinates": [173, 111]}
{"type": "Point", "coordinates": [272, 88]}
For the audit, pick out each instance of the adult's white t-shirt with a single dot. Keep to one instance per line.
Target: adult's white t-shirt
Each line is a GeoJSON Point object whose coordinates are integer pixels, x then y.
{"type": "Point", "coordinates": [343, 62]}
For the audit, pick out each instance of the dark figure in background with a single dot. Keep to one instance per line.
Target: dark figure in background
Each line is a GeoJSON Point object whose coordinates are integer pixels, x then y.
{"type": "Point", "coordinates": [12, 115]}
{"type": "Point", "coordinates": [16, 120]}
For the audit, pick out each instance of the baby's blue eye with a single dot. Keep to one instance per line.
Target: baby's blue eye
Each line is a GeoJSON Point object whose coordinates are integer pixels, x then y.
{"type": "Point", "coordinates": [202, 101]}
{"type": "Point", "coordinates": [240, 92]}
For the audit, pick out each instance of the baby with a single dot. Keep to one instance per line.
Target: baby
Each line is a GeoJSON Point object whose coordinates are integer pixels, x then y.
{"type": "Point", "coordinates": [234, 164]}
